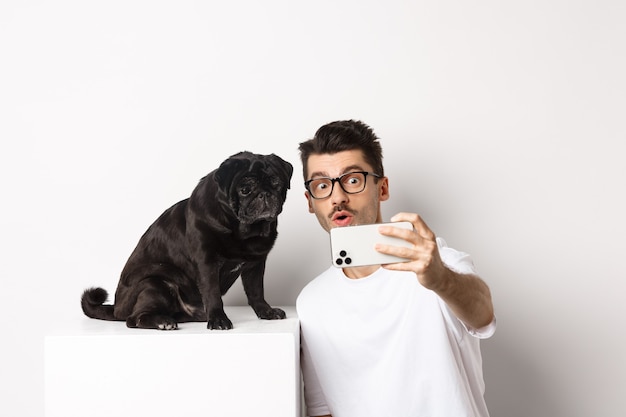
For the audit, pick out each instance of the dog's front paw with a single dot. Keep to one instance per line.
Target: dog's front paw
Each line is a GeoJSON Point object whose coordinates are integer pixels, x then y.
{"type": "Point", "coordinates": [219, 323]}
{"type": "Point", "coordinates": [271, 314]}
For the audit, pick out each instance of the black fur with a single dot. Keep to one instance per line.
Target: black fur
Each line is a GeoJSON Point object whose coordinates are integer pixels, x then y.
{"type": "Point", "coordinates": [193, 253]}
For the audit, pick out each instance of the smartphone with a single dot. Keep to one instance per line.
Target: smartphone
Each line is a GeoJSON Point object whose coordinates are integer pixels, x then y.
{"type": "Point", "coordinates": [352, 246]}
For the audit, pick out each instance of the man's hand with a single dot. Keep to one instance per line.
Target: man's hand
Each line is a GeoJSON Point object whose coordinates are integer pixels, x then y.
{"type": "Point", "coordinates": [466, 295]}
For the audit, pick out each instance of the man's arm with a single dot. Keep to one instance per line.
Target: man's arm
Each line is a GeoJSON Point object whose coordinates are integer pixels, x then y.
{"type": "Point", "coordinates": [467, 295]}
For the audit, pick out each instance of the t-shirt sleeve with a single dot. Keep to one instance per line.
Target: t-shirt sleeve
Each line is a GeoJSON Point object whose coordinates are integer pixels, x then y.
{"type": "Point", "coordinates": [484, 332]}
{"type": "Point", "coordinates": [313, 395]}
{"type": "Point", "coordinates": [463, 264]}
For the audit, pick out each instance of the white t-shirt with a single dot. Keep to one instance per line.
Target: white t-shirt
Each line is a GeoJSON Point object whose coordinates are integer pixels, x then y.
{"type": "Point", "coordinates": [384, 345]}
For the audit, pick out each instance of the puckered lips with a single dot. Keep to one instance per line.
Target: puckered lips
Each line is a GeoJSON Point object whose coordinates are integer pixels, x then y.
{"type": "Point", "coordinates": [342, 218]}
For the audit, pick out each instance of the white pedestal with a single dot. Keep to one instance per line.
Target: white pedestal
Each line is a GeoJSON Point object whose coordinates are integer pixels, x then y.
{"type": "Point", "coordinates": [98, 368]}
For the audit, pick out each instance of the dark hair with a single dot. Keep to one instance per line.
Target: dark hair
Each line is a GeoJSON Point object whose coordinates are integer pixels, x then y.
{"type": "Point", "coordinates": [344, 135]}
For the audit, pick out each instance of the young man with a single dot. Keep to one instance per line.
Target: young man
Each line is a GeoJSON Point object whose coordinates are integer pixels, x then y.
{"type": "Point", "coordinates": [393, 340]}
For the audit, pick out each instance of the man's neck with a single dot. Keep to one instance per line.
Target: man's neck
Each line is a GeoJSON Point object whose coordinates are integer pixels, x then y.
{"type": "Point", "coordinates": [360, 271]}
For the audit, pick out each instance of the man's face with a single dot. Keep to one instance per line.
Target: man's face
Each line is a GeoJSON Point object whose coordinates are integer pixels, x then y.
{"type": "Point", "coordinates": [340, 208]}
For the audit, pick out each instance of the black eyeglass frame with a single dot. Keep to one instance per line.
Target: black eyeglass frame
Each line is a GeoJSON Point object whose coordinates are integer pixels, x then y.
{"type": "Point", "coordinates": [307, 183]}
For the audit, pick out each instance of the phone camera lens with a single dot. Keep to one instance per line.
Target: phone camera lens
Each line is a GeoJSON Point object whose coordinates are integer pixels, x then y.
{"type": "Point", "coordinates": [348, 261]}
{"type": "Point", "coordinates": [339, 261]}
{"type": "Point", "coordinates": [343, 253]}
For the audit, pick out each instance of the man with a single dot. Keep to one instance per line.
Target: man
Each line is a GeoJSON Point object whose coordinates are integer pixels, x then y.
{"type": "Point", "coordinates": [395, 340]}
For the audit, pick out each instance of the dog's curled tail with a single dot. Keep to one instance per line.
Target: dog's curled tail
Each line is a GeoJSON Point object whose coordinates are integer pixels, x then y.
{"type": "Point", "coordinates": [92, 302]}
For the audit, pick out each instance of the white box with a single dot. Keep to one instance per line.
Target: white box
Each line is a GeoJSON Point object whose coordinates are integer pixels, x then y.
{"type": "Point", "coordinates": [99, 368]}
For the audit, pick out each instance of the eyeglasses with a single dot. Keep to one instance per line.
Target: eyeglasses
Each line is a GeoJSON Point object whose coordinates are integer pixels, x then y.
{"type": "Point", "coordinates": [351, 183]}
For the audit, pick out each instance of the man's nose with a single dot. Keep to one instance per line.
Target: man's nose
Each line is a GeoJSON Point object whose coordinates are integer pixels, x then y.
{"type": "Point", "coordinates": [338, 195]}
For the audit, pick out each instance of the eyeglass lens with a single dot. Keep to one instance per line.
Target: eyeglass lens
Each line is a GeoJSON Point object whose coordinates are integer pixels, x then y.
{"type": "Point", "coordinates": [351, 183]}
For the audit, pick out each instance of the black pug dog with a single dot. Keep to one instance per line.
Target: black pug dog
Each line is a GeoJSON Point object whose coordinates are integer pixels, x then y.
{"type": "Point", "coordinates": [194, 252]}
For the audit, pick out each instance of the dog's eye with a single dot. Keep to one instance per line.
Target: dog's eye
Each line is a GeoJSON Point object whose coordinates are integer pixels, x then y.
{"type": "Point", "coordinates": [244, 191]}
{"type": "Point", "coordinates": [275, 182]}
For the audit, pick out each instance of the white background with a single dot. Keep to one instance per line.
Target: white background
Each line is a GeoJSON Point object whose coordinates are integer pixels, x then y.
{"type": "Point", "coordinates": [502, 123]}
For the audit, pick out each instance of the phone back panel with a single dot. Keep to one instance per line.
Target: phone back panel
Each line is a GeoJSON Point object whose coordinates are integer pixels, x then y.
{"type": "Point", "coordinates": [354, 245]}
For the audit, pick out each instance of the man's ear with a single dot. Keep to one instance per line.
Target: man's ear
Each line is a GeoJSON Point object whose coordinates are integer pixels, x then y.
{"type": "Point", "coordinates": [383, 189]}
{"type": "Point", "coordinates": [309, 201]}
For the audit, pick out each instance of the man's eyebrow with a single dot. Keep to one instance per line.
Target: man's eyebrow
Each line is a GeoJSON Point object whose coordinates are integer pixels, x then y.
{"type": "Point", "coordinates": [351, 168]}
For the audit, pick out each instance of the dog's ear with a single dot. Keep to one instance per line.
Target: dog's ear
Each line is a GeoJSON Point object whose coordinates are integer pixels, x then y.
{"type": "Point", "coordinates": [227, 170]}
{"type": "Point", "coordinates": [284, 168]}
